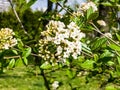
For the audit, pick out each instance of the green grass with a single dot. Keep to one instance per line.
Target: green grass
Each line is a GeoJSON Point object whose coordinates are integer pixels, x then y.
{"type": "Point", "coordinates": [21, 78]}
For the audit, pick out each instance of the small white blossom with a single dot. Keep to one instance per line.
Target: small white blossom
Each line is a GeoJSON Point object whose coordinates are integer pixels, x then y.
{"type": "Point", "coordinates": [84, 7]}
{"type": "Point", "coordinates": [59, 50]}
{"type": "Point", "coordinates": [87, 5]}
{"type": "Point", "coordinates": [6, 46]}
{"type": "Point", "coordinates": [55, 85]}
{"type": "Point", "coordinates": [101, 22]}
{"type": "Point", "coordinates": [108, 35]}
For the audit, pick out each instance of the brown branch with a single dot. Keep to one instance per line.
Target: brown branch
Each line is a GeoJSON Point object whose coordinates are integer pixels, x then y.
{"type": "Point", "coordinates": [17, 16]}
{"type": "Point", "coordinates": [9, 57]}
{"type": "Point", "coordinates": [64, 9]}
{"type": "Point", "coordinates": [97, 30]}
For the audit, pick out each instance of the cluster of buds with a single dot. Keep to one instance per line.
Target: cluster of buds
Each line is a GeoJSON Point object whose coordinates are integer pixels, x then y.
{"type": "Point", "coordinates": [7, 39]}
{"type": "Point", "coordinates": [84, 7]}
{"type": "Point", "coordinates": [59, 42]}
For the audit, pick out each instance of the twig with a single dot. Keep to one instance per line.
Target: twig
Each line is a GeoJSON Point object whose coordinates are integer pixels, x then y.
{"type": "Point", "coordinates": [97, 30]}
{"type": "Point", "coordinates": [87, 54]}
{"type": "Point", "coordinates": [11, 57]}
{"type": "Point", "coordinates": [65, 9]}
{"type": "Point", "coordinates": [30, 54]}
{"type": "Point", "coordinates": [17, 16]}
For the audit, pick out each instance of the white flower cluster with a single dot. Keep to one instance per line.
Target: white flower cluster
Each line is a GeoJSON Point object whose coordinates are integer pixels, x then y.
{"type": "Point", "coordinates": [60, 42]}
{"type": "Point", "coordinates": [6, 38]}
{"type": "Point", "coordinates": [84, 7]}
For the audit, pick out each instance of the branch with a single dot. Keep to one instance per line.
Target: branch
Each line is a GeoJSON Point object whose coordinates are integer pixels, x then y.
{"type": "Point", "coordinates": [9, 57]}
{"type": "Point", "coordinates": [64, 9]}
{"type": "Point", "coordinates": [97, 30]}
{"type": "Point", "coordinates": [17, 16]}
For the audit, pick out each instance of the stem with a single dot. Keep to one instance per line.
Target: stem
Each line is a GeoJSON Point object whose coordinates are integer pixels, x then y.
{"type": "Point", "coordinates": [11, 57]}
{"type": "Point", "coordinates": [97, 30]}
{"type": "Point", "coordinates": [64, 9]}
{"type": "Point", "coordinates": [17, 16]}
{"type": "Point", "coordinates": [90, 55]}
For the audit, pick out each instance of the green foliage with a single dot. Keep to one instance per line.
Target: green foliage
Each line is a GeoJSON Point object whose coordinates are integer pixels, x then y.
{"type": "Point", "coordinates": [96, 68]}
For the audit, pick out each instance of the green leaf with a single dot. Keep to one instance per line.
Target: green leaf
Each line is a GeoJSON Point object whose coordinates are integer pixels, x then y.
{"type": "Point", "coordinates": [118, 36]}
{"type": "Point", "coordinates": [114, 47]}
{"type": "Point", "coordinates": [11, 63]}
{"type": "Point", "coordinates": [28, 5]}
{"type": "Point", "coordinates": [20, 44]}
{"type": "Point", "coordinates": [106, 4]}
{"type": "Point", "coordinates": [71, 73]}
{"type": "Point", "coordinates": [118, 58]}
{"type": "Point", "coordinates": [93, 16]}
{"type": "Point", "coordinates": [25, 60]}
{"type": "Point", "coordinates": [88, 64]}
{"type": "Point", "coordinates": [15, 52]}
{"type": "Point", "coordinates": [97, 43]}
{"type": "Point", "coordinates": [86, 49]}
{"type": "Point", "coordinates": [89, 12]}
{"type": "Point", "coordinates": [96, 57]}
{"type": "Point", "coordinates": [46, 65]}
{"type": "Point", "coordinates": [106, 53]}
{"type": "Point", "coordinates": [55, 1]}
{"type": "Point", "coordinates": [19, 63]}
{"type": "Point", "coordinates": [26, 52]}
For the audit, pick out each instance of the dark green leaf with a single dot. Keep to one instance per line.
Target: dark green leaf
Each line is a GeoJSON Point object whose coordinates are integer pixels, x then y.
{"type": "Point", "coordinates": [11, 63]}
{"type": "Point", "coordinates": [106, 53]}
{"type": "Point", "coordinates": [97, 43]}
{"type": "Point", "coordinates": [89, 12]}
{"type": "Point", "coordinates": [93, 16]}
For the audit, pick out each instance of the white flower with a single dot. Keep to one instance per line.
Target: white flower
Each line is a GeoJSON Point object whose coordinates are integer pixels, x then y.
{"type": "Point", "coordinates": [108, 35]}
{"type": "Point", "coordinates": [66, 55]}
{"type": "Point", "coordinates": [86, 6]}
{"type": "Point", "coordinates": [55, 85]}
{"type": "Point", "coordinates": [6, 46]}
{"type": "Point", "coordinates": [59, 50]}
{"type": "Point", "coordinates": [74, 55]}
{"type": "Point", "coordinates": [101, 22]}
{"type": "Point", "coordinates": [6, 38]}
{"type": "Point", "coordinates": [72, 25]}
{"type": "Point", "coordinates": [65, 41]}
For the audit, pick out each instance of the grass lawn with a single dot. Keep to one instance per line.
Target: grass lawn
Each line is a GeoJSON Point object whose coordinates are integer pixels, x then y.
{"type": "Point", "coordinates": [21, 78]}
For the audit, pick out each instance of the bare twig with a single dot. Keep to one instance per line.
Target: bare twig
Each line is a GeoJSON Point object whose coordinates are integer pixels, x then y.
{"type": "Point", "coordinates": [97, 30]}
{"type": "Point", "coordinates": [64, 9]}
{"type": "Point", "coordinates": [87, 54]}
{"type": "Point", "coordinates": [17, 16]}
{"type": "Point", "coordinates": [9, 57]}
